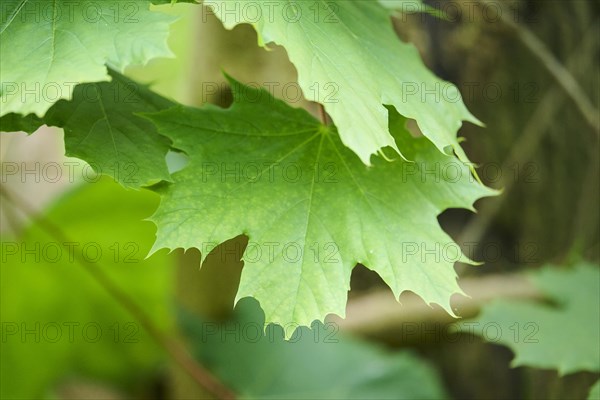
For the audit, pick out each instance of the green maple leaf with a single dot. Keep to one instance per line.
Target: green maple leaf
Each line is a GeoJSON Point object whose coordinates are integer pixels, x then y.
{"type": "Point", "coordinates": [49, 47]}
{"type": "Point", "coordinates": [102, 129]}
{"type": "Point", "coordinates": [349, 59]}
{"type": "Point", "coordinates": [565, 337]}
{"type": "Point", "coordinates": [311, 209]}
{"type": "Point", "coordinates": [13, 122]}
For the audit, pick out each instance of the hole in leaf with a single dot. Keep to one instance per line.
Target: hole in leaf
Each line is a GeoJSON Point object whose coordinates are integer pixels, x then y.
{"type": "Point", "coordinates": [413, 128]}
{"type": "Point", "coordinates": [176, 161]}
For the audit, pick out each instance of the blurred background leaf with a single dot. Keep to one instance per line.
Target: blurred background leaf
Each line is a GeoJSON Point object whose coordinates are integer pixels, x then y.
{"type": "Point", "coordinates": [77, 329]}
{"type": "Point", "coordinates": [317, 363]}
{"type": "Point", "coordinates": [562, 335]}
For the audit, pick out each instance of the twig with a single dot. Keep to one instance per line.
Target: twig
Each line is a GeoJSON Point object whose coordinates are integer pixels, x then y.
{"type": "Point", "coordinates": [560, 74]}
{"type": "Point", "coordinates": [379, 313]}
{"type": "Point", "coordinates": [172, 346]}
{"type": "Point", "coordinates": [523, 148]}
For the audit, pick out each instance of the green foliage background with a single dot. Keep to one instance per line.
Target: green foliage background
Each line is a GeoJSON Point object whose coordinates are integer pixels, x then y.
{"type": "Point", "coordinates": [548, 213]}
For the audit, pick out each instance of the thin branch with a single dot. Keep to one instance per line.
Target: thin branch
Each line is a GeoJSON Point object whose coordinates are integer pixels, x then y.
{"type": "Point", "coordinates": [560, 74]}
{"type": "Point", "coordinates": [172, 346]}
{"type": "Point", "coordinates": [378, 313]}
{"type": "Point", "coordinates": [12, 218]}
{"type": "Point", "coordinates": [525, 146]}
